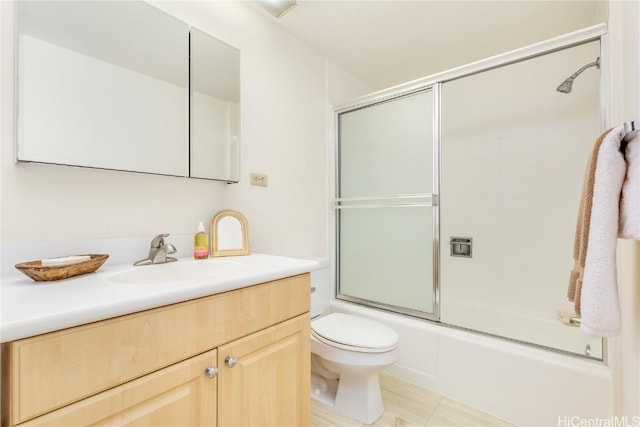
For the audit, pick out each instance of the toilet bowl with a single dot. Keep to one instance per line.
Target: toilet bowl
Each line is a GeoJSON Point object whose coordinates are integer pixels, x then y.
{"type": "Point", "coordinates": [347, 352]}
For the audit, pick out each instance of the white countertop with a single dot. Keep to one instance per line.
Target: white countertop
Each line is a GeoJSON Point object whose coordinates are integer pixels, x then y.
{"type": "Point", "coordinates": [30, 308]}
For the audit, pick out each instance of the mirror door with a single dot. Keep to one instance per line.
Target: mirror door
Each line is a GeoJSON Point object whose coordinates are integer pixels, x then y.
{"type": "Point", "coordinates": [214, 108]}
{"type": "Point", "coordinates": [122, 85]}
{"type": "Point", "coordinates": [102, 84]}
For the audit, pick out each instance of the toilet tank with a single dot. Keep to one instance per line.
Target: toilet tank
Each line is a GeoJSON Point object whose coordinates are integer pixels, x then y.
{"type": "Point", "coordinates": [321, 286]}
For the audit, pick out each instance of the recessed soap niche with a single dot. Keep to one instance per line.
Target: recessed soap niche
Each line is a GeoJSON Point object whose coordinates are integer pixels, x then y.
{"type": "Point", "coordinates": [461, 246]}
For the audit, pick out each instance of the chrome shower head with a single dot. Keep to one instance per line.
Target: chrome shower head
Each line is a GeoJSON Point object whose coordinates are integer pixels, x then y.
{"type": "Point", "coordinates": [565, 86]}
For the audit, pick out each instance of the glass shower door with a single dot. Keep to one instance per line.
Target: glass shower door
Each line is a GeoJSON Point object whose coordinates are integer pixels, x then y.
{"type": "Point", "coordinates": [386, 210]}
{"type": "Point", "coordinates": [514, 151]}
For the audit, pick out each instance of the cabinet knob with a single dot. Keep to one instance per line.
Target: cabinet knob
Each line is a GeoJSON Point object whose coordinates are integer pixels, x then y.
{"type": "Point", "coordinates": [211, 371]}
{"type": "Point", "coordinates": [230, 361]}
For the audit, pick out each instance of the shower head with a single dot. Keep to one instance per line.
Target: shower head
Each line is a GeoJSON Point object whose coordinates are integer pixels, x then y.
{"type": "Point", "coordinates": [565, 86]}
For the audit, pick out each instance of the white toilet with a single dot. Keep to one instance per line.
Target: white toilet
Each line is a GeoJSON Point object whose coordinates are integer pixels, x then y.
{"type": "Point", "coordinates": [347, 352]}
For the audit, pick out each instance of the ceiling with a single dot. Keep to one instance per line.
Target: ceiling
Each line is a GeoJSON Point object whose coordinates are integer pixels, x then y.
{"type": "Point", "coordinates": [389, 42]}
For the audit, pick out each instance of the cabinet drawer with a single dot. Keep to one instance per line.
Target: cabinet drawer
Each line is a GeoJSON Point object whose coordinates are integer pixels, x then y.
{"type": "Point", "coordinates": [52, 370]}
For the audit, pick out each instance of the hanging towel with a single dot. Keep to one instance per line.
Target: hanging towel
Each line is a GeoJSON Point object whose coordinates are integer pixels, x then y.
{"type": "Point", "coordinates": [596, 238]}
{"type": "Point", "coordinates": [582, 227]}
{"type": "Point", "coordinates": [629, 227]}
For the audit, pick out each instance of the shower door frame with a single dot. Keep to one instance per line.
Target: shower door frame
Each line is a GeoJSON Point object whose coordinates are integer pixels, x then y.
{"type": "Point", "coordinates": [374, 202]}
{"type": "Point", "coordinates": [594, 33]}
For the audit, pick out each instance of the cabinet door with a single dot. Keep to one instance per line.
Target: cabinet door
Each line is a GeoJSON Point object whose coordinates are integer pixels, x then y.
{"type": "Point", "coordinates": [183, 394]}
{"type": "Point", "coordinates": [268, 380]}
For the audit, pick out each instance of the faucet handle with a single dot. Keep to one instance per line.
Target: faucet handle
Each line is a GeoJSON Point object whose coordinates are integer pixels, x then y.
{"type": "Point", "coordinates": [158, 251]}
{"type": "Point", "coordinates": [158, 241]}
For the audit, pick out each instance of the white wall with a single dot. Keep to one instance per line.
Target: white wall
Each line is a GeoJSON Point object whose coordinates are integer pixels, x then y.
{"type": "Point", "coordinates": [286, 87]}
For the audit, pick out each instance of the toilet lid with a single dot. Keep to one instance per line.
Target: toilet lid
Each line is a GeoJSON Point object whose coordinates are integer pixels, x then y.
{"type": "Point", "coordinates": [353, 332]}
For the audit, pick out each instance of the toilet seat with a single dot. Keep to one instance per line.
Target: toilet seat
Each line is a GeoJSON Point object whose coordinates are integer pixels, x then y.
{"type": "Point", "coordinates": [354, 333]}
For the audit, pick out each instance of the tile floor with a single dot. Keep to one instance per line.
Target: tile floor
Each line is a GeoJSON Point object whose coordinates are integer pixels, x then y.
{"type": "Point", "coordinates": [410, 405]}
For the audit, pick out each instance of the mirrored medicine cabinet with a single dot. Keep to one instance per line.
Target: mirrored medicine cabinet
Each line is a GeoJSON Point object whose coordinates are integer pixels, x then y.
{"type": "Point", "coordinates": [123, 85]}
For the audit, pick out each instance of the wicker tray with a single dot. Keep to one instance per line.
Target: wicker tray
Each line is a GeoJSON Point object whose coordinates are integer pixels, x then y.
{"type": "Point", "coordinates": [37, 272]}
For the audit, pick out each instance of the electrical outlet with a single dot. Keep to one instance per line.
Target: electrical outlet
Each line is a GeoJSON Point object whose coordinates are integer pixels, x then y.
{"type": "Point", "coordinates": [258, 179]}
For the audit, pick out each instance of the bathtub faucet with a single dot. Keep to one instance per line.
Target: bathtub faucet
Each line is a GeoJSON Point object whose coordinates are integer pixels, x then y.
{"type": "Point", "coordinates": [158, 252]}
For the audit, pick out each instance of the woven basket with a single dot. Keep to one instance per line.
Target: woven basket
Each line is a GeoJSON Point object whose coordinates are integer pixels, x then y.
{"type": "Point", "coordinates": [37, 272]}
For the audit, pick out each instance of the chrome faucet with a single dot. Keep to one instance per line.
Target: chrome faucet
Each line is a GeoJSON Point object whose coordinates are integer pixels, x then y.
{"type": "Point", "coordinates": [158, 252]}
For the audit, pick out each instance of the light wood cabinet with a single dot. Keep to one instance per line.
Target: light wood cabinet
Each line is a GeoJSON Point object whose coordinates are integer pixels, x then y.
{"type": "Point", "coordinates": [179, 395]}
{"type": "Point", "coordinates": [148, 368]}
{"type": "Point", "coordinates": [264, 378]}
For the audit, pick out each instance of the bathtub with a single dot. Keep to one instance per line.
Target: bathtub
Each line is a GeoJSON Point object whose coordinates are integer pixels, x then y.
{"type": "Point", "coordinates": [540, 327]}
{"type": "Point", "coordinates": [518, 383]}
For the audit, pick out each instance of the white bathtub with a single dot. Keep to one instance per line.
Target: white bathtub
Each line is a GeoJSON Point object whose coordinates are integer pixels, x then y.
{"type": "Point", "coordinates": [524, 385]}
{"type": "Point", "coordinates": [540, 327]}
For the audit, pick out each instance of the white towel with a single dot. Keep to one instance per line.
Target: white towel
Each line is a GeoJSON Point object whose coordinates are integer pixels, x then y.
{"type": "Point", "coordinates": [630, 200]}
{"type": "Point", "coordinates": [64, 260]}
{"type": "Point", "coordinates": [600, 305]}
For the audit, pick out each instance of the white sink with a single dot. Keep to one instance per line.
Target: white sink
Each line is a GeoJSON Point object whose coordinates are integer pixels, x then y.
{"type": "Point", "coordinates": [179, 271]}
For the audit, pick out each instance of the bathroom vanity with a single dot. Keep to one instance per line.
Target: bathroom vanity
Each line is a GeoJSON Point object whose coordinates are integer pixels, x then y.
{"type": "Point", "coordinates": [234, 357]}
